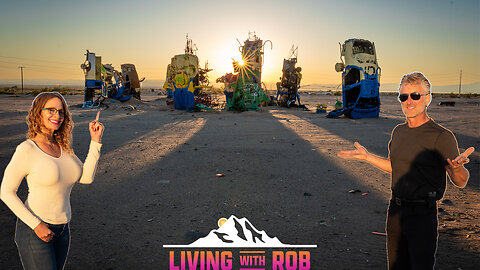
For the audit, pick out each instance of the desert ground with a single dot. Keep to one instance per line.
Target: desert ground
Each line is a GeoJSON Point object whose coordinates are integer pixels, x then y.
{"type": "Point", "coordinates": [156, 182]}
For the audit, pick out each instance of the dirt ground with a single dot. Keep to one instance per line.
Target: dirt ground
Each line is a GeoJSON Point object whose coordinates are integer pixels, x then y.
{"type": "Point", "coordinates": [156, 182]}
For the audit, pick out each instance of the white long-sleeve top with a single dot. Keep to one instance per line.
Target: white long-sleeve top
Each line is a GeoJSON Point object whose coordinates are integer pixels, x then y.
{"type": "Point", "coordinates": [50, 181]}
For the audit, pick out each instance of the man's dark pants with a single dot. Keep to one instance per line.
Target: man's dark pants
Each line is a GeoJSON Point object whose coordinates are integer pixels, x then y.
{"type": "Point", "coordinates": [411, 236]}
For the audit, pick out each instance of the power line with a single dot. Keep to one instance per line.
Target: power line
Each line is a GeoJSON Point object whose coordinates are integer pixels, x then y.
{"type": "Point", "coordinates": [47, 71]}
{"type": "Point", "coordinates": [37, 60]}
{"type": "Point", "coordinates": [13, 63]}
{"type": "Point", "coordinates": [56, 70]}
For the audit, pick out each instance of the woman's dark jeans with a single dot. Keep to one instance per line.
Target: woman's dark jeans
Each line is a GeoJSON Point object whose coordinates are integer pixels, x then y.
{"type": "Point", "coordinates": [39, 255]}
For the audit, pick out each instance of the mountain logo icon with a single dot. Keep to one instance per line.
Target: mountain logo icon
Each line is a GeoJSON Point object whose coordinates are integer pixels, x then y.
{"type": "Point", "coordinates": [237, 233]}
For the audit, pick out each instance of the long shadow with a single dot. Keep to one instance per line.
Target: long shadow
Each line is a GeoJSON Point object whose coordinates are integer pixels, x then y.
{"type": "Point", "coordinates": [464, 142]}
{"type": "Point", "coordinates": [13, 129]}
{"type": "Point", "coordinates": [81, 135]}
{"type": "Point", "coordinates": [272, 177]}
{"type": "Point", "coordinates": [8, 253]}
{"type": "Point", "coordinates": [11, 132]}
{"type": "Point", "coordinates": [7, 116]}
{"type": "Point", "coordinates": [115, 135]}
{"type": "Point", "coordinates": [379, 130]}
{"type": "Point", "coordinates": [287, 190]}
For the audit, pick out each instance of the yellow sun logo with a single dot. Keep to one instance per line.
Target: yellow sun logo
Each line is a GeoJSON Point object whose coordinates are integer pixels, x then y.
{"type": "Point", "coordinates": [221, 222]}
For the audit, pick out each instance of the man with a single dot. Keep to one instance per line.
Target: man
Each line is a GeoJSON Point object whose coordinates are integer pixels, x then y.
{"type": "Point", "coordinates": [420, 152]}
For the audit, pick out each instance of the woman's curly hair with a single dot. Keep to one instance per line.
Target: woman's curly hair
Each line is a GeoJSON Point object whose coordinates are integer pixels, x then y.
{"type": "Point", "coordinates": [63, 136]}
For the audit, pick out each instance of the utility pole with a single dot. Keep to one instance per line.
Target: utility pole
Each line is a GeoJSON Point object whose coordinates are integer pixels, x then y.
{"type": "Point", "coordinates": [460, 83]}
{"type": "Point", "coordinates": [21, 71]}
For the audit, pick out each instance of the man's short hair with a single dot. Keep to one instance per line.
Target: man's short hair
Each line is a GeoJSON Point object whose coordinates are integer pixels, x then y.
{"type": "Point", "coordinates": [415, 78]}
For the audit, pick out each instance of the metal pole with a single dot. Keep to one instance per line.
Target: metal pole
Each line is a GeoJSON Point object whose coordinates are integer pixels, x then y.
{"type": "Point", "coordinates": [21, 71]}
{"type": "Point", "coordinates": [460, 83]}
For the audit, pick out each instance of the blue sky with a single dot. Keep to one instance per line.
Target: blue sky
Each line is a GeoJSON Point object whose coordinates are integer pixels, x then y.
{"type": "Point", "coordinates": [50, 37]}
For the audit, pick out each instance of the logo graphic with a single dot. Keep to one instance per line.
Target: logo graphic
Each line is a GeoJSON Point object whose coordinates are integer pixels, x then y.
{"type": "Point", "coordinates": [237, 233]}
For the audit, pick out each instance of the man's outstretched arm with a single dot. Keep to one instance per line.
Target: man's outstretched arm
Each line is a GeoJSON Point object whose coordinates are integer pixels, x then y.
{"type": "Point", "coordinates": [456, 171]}
{"type": "Point", "coordinates": [361, 153]}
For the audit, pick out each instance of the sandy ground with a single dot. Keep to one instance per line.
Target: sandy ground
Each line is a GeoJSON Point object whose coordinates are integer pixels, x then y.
{"type": "Point", "coordinates": [156, 183]}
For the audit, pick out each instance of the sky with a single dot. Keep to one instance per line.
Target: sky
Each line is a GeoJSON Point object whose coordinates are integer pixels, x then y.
{"type": "Point", "coordinates": [50, 38]}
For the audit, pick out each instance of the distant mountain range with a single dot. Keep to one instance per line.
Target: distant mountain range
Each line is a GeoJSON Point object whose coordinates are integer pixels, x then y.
{"type": "Point", "coordinates": [237, 232]}
{"type": "Point", "coordinates": [36, 83]}
{"type": "Point", "coordinates": [388, 87]}
{"type": "Point", "coordinates": [393, 87]}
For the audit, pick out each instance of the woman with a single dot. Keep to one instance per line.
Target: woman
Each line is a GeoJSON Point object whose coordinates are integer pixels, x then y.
{"type": "Point", "coordinates": [51, 169]}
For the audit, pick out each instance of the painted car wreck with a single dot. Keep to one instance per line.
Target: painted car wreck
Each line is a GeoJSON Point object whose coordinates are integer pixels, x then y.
{"type": "Point", "coordinates": [185, 79]}
{"type": "Point", "coordinates": [243, 88]}
{"type": "Point", "coordinates": [360, 80]}
{"type": "Point", "coordinates": [111, 83]}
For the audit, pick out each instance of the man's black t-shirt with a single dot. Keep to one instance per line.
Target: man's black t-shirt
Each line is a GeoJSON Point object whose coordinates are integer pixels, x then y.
{"type": "Point", "coordinates": [418, 157]}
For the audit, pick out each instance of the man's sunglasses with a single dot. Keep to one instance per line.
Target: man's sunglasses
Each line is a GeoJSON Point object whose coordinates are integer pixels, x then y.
{"type": "Point", "coordinates": [414, 96]}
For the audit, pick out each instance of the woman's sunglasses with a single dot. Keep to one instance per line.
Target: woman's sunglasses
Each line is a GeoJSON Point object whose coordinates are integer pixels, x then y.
{"type": "Point", "coordinates": [414, 96]}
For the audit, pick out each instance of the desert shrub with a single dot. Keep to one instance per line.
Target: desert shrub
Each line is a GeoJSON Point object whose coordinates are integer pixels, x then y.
{"type": "Point", "coordinates": [162, 92]}
{"type": "Point", "coordinates": [471, 95]}
{"type": "Point", "coordinates": [394, 93]}
{"type": "Point", "coordinates": [61, 90]}
{"type": "Point", "coordinates": [334, 93]}
{"type": "Point", "coordinates": [7, 90]}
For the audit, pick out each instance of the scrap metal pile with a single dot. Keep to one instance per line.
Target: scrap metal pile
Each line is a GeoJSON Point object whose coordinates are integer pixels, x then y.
{"type": "Point", "coordinates": [243, 88]}
{"type": "Point", "coordinates": [185, 80]}
{"type": "Point", "coordinates": [111, 83]}
{"type": "Point", "coordinates": [287, 88]}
